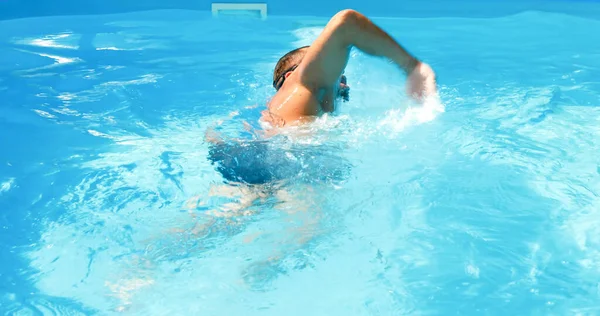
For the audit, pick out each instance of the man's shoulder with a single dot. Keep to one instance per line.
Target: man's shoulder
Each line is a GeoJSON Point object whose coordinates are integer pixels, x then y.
{"type": "Point", "coordinates": [293, 102]}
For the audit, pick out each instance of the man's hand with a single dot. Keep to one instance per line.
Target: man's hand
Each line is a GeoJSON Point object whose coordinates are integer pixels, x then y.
{"type": "Point", "coordinates": [421, 82]}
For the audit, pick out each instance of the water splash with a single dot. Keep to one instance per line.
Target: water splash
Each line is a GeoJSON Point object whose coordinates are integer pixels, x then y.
{"type": "Point", "coordinates": [397, 120]}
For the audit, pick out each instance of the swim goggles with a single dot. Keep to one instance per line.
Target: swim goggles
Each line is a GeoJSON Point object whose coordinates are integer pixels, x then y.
{"type": "Point", "coordinates": [276, 82]}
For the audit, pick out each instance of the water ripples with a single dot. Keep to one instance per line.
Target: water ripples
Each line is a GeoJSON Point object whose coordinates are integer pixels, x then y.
{"type": "Point", "coordinates": [485, 201]}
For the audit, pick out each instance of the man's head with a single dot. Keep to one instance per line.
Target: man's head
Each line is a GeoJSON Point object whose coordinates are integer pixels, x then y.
{"type": "Point", "coordinates": [287, 64]}
{"type": "Point", "coordinates": [290, 61]}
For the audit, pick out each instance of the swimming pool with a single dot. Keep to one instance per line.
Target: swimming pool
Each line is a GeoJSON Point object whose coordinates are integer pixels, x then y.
{"type": "Point", "coordinates": [488, 203]}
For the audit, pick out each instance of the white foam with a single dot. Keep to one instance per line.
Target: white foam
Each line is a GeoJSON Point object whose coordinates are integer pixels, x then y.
{"type": "Point", "coordinates": [396, 120]}
{"type": "Point", "coordinates": [60, 59]}
{"type": "Point", "coordinates": [6, 185]}
{"type": "Point", "coordinates": [60, 41]}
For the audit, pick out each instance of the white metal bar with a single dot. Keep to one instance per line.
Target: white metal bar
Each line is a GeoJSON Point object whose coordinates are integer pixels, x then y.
{"type": "Point", "coordinates": [261, 7]}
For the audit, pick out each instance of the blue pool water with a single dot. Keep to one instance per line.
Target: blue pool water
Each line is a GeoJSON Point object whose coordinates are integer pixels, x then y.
{"type": "Point", "coordinates": [485, 204]}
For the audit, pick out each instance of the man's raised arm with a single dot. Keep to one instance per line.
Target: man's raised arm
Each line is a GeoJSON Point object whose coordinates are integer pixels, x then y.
{"type": "Point", "coordinates": [327, 57]}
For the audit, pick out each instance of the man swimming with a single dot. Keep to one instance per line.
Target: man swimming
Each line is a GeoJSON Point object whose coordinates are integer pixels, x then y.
{"type": "Point", "coordinates": [309, 79]}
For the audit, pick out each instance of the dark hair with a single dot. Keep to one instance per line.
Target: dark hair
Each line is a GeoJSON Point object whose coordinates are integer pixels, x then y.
{"type": "Point", "coordinates": [287, 63]}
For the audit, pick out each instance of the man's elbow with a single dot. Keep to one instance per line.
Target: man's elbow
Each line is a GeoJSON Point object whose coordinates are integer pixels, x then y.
{"type": "Point", "coordinates": [346, 17]}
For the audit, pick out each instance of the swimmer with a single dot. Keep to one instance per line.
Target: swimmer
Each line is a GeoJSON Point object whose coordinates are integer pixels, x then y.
{"type": "Point", "coordinates": [309, 79]}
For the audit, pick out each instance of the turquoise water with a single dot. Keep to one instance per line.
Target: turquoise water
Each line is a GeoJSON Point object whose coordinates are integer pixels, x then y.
{"type": "Point", "coordinates": [485, 204]}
